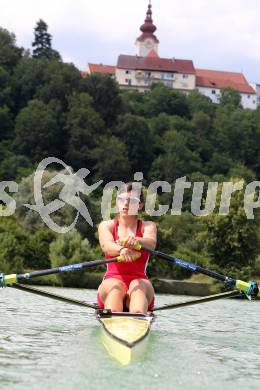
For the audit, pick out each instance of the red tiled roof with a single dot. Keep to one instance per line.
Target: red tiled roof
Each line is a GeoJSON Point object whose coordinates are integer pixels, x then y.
{"type": "Point", "coordinates": [221, 79]}
{"type": "Point", "coordinates": [100, 68]}
{"type": "Point", "coordinates": [155, 63]}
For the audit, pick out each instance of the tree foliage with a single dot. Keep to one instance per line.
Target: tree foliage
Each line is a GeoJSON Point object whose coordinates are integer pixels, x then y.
{"type": "Point", "coordinates": [106, 98]}
{"type": "Point", "coordinates": [232, 240]}
{"type": "Point", "coordinates": [36, 131]}
{"type": "Point", "coordinates": [136, 134]}
{"type": "Point", "coordinates": [10, 54]}
{"type": "Point", "coordinates": [42, 42]}
{"type": "Point", "coordinates": [48, 109]}
{"type": "Point", "coordinates": [84, 126]}
{"type": "Point", "coordinates": [71, 249]}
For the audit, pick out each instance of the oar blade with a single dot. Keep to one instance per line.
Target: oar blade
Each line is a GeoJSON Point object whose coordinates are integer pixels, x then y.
{"type": "Point", "coordinates": [6, 280]}
{"type": "Point", "coordinates": [251, 288]}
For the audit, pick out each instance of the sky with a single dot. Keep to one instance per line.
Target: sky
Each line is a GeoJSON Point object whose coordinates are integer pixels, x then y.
{"type": "Point", "coordinates": [218, 34]}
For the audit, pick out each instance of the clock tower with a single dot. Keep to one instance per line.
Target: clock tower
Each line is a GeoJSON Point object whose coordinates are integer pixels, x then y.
{"type": "Point", "coordinates": [147, 43]}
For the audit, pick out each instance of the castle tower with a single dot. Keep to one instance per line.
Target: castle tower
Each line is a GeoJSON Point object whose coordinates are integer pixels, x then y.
{"type": "Point", "coordinates": [147, 43]}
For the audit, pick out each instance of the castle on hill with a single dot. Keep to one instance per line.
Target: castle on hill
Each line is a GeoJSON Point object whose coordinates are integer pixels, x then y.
{"type": "Point", "coordinates": [140, 71]}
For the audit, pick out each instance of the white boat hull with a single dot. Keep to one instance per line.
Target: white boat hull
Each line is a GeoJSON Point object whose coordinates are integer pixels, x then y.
{"type": "Point", "coordinates": [125, 335]}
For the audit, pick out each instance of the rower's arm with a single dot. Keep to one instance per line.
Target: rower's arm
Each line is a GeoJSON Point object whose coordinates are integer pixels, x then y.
{"type": "Point", "coordinates": [149, 238]}
{"type": "Point", "coordinates": [106, 239]}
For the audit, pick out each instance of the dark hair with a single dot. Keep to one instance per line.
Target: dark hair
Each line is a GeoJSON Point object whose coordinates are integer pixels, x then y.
{"type": "Point", "coordinates": [131, 186]}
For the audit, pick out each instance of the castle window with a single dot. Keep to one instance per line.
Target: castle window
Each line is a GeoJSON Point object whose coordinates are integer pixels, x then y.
{"type": "Point", "coordinates": [128, 81]}
{"type": "Point", "coordinates": [167, 76]}
{"type": "Point", "coordinates": [248, 96]}
{"type": "Point", "coordinates": [128, 71]}
{"type": "Point", "coordinates": [185, 76]}
{"type": "Point", "coordinates": [213, 92]}
{"type": "Point", "coordinates": [147, 74]}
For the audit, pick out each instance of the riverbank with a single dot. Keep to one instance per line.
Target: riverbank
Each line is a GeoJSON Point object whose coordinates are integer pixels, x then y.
{"type": "Point", "coordinates": [179, 287]}
{"type": "Point", "coordinates": [161, 285]}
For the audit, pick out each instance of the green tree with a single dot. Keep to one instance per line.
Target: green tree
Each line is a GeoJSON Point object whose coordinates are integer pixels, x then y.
{"type": "Point", "coordinates": [37, 249]}
{"type": "Point", "coordinates": [176, 159]}
{"type": "Point", "coordinates": [161, 123]}
{"type": "Point", "coordinates": [106, 96]}
{"type": "Point", "coordinates": [10, 54]}
{"type": "Point", "coordinates": [230, 97]}
{"type": "Point", "coordinates": [201, 135]}
{"type": "Point", "coordinates": [71, 249]}
{"type": "Point", "coordinates": [236, 132]}
{"type": "Point", "coordinates": [28, 75]}
{"type": "Point", "coordinates": [162, 99]}
{"type": "Point", "coordinates": [232, 240]}
{"type": "Point", "coordinates": [135, 133]}
{"type": "Point", "coordinates": [36, 132]}
{"type": "Point", "coordinates": [14, 166]}
{"type": "Point", "coordinates": [12, 245]}
{"type": "Point", "coordinates": [5, 88]}
{"type": "Point", "coordinates": [84, 126]}
{"type": "Point", "coordinates": [11, 258]}
{"type": "Point", "coordinates": [42, 42]}
{"type": "Point", "coordinates": [111, 160]}
{"type": "Point", "coordinates": [6, 123]}
{"type": "Point", "coordinates": [200, 103]}
{"type": "Point", "coordinates": [59, 82]}
{"type": "Point", "coordinates": [132, 102]}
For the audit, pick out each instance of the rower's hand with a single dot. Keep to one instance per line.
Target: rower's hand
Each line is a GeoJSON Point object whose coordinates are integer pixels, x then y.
{"type": "Point", "coordinates": [128, 255]}
{"type": "Point", "coordinates": [131, 242]}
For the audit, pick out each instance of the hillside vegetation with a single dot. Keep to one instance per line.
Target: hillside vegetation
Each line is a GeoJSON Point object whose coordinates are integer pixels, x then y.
{"type": "Point", "coordinates": [48, 109]}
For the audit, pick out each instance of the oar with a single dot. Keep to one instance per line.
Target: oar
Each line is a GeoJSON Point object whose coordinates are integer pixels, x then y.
{"type": "Point", "coordinates": [6, 280]}
{"type": "Point", "coordinates": [197, 301]}
{"type": "Point", "coordinates": [57, 297]}
{"type": "Point", "coordinates": [250, 288]}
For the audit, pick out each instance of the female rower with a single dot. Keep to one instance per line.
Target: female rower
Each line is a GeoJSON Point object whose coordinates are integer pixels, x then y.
{"type": "Point", "coordinates": [125, 284]}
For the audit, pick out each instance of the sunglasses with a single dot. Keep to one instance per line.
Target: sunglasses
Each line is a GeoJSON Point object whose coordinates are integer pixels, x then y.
{"type": "Point", "coordinates": [130, 199]}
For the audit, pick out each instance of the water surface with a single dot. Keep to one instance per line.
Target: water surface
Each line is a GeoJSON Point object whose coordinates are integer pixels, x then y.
{"type": "Point", "coordinates": [49, 344]}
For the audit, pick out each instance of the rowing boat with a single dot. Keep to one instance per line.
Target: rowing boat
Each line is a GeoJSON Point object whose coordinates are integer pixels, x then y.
{"type": "Point", "coordinates": [125, 335]}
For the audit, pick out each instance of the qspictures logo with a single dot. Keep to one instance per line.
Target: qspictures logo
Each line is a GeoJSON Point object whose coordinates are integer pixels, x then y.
{"type": "Point", "coordinates": [74, 184]}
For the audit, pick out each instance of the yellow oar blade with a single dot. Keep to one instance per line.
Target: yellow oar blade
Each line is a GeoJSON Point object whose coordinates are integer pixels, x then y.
{"type": "Point", "coordinates": [249, 288]}
{"type": "Point", "coordinates": [6, 280]}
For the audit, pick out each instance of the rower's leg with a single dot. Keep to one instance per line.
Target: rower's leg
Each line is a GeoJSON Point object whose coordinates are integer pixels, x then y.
{"type": "Point", "coordinates": [141, 294]}
{"type": "Point", "coordinates": [112, 293]}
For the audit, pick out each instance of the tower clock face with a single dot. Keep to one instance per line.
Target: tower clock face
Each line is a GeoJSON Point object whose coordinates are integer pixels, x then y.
{"type": "Point", "coordinates": [148, 43]}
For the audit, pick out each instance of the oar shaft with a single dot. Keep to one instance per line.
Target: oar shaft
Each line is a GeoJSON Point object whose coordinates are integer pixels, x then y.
{"type": "Point", "coordinates": [65, 268]}
{"type": "Point", "coordinates": [251, 289]}
{"type": "Point", "coordinates": [14, 278]}
{"type": "Point", "coordinates": [197, 301]}
{"type": "Point", "coordinates": [57, 297]}
{"type": "Point", "coordinates": [190, 266]}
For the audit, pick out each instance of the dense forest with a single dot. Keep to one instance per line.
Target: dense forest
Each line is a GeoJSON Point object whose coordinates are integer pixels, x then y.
{"type": "Point", "coordinates": [48, 109]}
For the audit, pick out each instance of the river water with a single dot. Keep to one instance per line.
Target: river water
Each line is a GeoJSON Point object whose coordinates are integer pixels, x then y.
{"type": "Point", "coordinates": [46, 344]}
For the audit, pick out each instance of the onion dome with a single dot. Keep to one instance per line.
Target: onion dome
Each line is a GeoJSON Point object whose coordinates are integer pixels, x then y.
{"type": "Point", "coordinates": [148, 28]}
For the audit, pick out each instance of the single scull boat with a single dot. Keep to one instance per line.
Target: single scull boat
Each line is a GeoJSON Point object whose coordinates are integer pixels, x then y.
{"type": "Point", "coordinates": [125, 334]}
